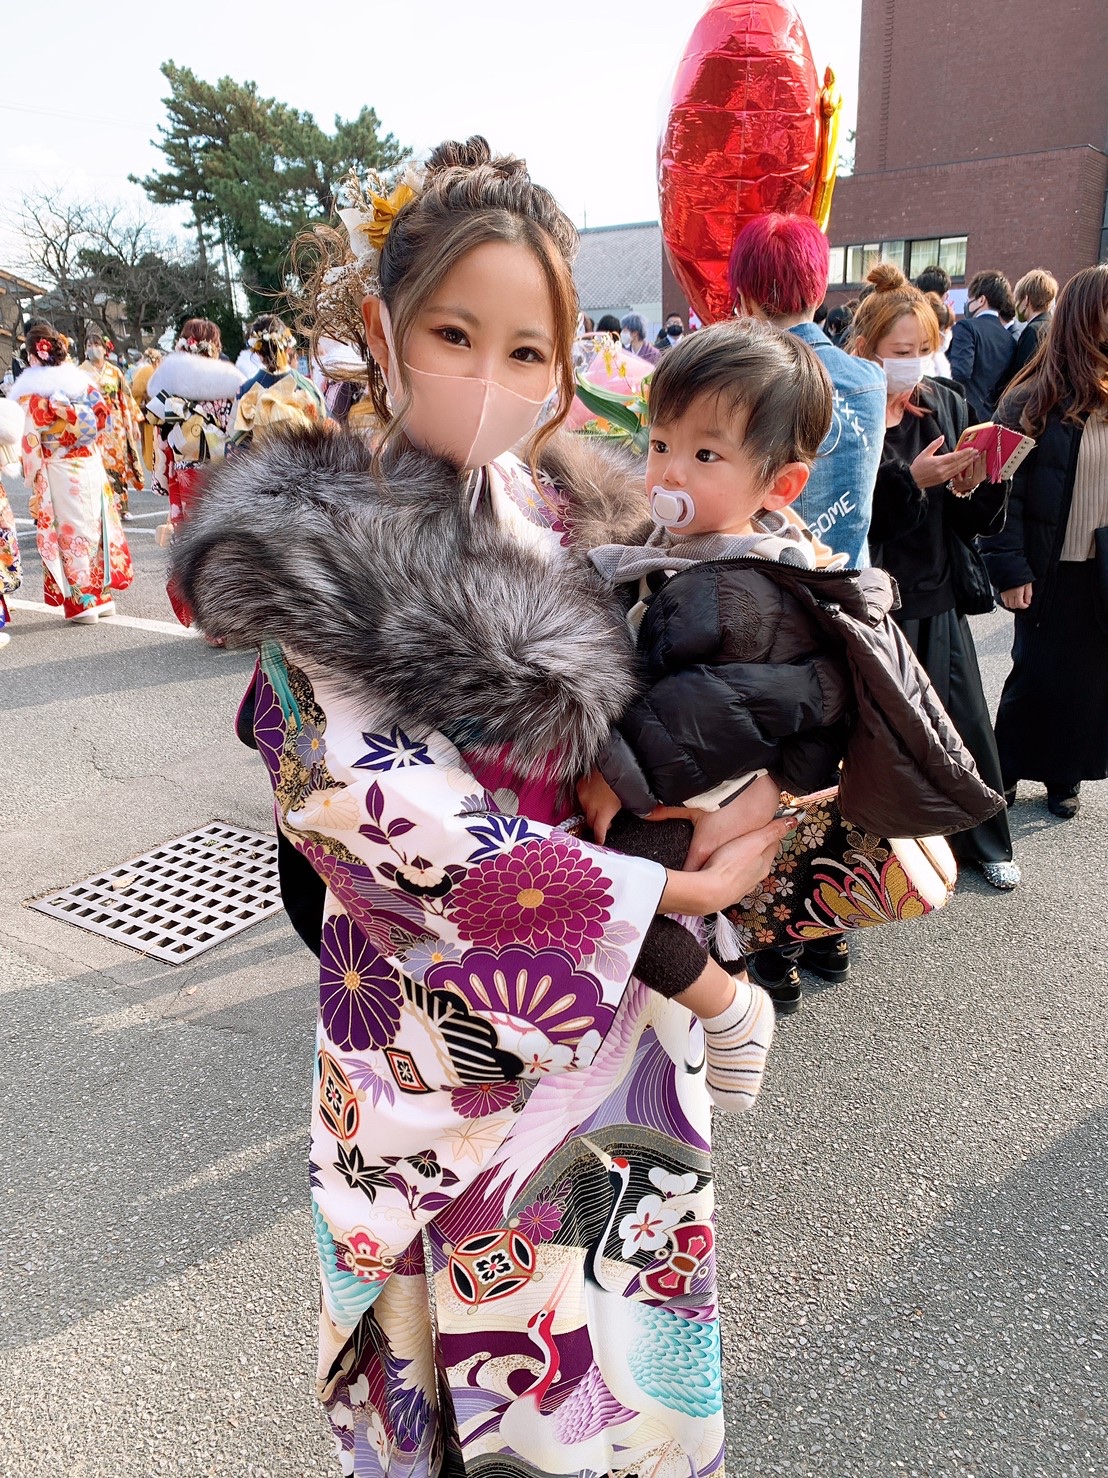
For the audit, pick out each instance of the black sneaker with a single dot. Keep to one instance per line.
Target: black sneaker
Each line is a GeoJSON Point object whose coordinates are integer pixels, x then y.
{"type": "Point", "coordinates": [827, 958]}
{"type": "Point", "coordinates": [778, 976]}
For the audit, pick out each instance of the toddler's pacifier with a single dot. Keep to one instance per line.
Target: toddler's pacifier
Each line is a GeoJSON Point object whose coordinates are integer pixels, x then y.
{"type": "Point", "coordinates": [672, 510]}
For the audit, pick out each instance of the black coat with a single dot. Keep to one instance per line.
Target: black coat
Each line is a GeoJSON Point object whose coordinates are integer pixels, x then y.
{"type": "Point", "coordinates": [981, 355]}
{"type": "Point", "coordinates": [751, 663]}
{"type": "Point", "coordinates": [1027, 550]}
{"type": "Point", "coordinates": [737, 676]}
{"type": "Point", "coordinates": [900, 507]}
{"type": "Point", "coordinates": [1034, 333]}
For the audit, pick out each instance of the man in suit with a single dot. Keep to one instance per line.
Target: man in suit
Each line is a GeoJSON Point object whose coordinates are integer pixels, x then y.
{"type": "Point", "coordinates": [1034, 293]}
{"type": "Point", "coordinates": [982, 350]}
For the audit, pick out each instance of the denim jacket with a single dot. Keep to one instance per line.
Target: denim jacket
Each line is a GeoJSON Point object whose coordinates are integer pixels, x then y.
{"type": "Point", "coordinates": [837, 499]}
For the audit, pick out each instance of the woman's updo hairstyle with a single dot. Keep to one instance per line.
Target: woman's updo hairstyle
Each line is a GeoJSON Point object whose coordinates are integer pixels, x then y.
{"type": "Point", "coordinates": [271, 339]}
{"type": "Point", "coordinates": [892, 297]}
{"type": "Point", "coordinates": [469, 197]}
{"type": "Point", "coordinates": [45, 342]}
{"type": "Point", "coordinates": [200, 336]}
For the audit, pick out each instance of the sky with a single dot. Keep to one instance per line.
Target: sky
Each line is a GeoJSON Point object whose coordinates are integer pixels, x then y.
{"type": "Point", "coordinates": [578, 88]}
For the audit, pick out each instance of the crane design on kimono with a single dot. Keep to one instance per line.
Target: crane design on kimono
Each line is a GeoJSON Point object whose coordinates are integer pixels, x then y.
{"type": "Point", "coordinates": [650, 1362]}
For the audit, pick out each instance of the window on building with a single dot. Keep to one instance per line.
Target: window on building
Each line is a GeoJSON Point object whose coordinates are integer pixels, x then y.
{"type": "Point", "coordinates": [952, 255]}
{"type": "Point", "coordinates": [859, 260]}
{"type": "Point", "coordinates": [851, 263]}
{"type": "Point", "coordinates": [923, 254]}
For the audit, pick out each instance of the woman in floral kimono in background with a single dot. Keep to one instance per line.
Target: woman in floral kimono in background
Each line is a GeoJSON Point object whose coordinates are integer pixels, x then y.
{"type": "Point", "coordinates": [11, 440]}
{"type": "Point", "coordinates": [122, 443]}
{"type": "Point", "coordinates": [500, 1107]}
{"type": "Point", "coordinates": [277, 394]}
{"type": "Point", "coordinates": [189, 402]}
{"type": "Point", "coordinates": [80, 539]}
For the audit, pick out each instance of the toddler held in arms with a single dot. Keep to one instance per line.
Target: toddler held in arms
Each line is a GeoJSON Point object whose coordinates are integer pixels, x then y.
{"type": "Point", "coordinates": [741, 694]}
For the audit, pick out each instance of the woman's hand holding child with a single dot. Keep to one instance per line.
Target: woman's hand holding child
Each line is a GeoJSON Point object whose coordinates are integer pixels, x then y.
{"type": "Point", "coordinates": [753, 809]}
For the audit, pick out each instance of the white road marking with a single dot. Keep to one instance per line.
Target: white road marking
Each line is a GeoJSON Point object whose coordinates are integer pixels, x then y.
{"type": "Point", "coordinates": [137, 623]}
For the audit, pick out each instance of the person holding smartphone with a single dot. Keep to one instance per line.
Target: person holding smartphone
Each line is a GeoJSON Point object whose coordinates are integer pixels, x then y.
{"type": "Point", "coordinates": [930, 504]}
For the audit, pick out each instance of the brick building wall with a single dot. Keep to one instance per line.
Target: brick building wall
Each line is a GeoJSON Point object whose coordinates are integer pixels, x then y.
{"type": "Point", "coordinates": [1033, 210]}
{"type": "Point", "coordinates": [960, 134]}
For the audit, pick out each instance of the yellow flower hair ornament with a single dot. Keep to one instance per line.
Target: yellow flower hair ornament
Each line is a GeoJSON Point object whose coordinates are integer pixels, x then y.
{"type": "Point", "coordinates": [368, 211]}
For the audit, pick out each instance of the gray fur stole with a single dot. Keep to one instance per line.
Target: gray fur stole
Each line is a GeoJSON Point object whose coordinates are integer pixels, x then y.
{"type": "Point", "coordinates": [430, 617]}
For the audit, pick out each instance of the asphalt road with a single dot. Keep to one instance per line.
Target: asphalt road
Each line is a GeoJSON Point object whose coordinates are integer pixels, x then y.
{"type": "Point", "coordinates": [913, 1223]}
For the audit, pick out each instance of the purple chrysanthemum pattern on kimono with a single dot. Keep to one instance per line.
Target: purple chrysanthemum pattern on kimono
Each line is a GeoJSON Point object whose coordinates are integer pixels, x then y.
{"type": "Point", "coordinates": [547, 894]}
{"type": "Point", "coordinates": [480, 1099]}
{"type": "Point", "coordinates": [359, 994]}
{"type": "Point", "coordinates": [540, 988]}
{"type": "Point", "coordinates": [269, 724]}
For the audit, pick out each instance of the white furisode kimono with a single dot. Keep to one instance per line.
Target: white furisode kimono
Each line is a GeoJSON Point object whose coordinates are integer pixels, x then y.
{"type": "Point", "coordinates": [502, 1111]}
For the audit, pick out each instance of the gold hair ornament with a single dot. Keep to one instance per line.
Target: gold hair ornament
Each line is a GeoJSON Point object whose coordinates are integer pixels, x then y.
{"type": "Point", "coordinates": [368, 211]}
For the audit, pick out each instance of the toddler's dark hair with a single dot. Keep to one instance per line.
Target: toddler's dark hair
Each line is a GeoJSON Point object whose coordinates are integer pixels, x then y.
{"type": "Point", "coordinates": [750, 366]}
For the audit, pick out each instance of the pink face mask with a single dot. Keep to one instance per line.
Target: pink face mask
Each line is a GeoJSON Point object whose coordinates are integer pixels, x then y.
{"type": "Point", "coordinates": [466, 420]}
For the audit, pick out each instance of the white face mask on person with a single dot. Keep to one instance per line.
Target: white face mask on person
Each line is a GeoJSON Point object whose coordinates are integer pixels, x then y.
{"type": "Point", "coordinates": [625, 338]}
{"type": "Point", "coordinates": [466, 420]}
{"type": "Point", "coordinates": [904, 374]}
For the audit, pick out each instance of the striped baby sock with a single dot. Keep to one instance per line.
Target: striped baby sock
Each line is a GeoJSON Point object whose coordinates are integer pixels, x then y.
{"type": "Point", "coordinates": [736, 1043]}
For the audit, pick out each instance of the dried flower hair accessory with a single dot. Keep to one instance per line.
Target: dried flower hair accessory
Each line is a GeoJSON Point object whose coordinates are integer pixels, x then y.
{"type": "Point", "coordinates": [278, 338]}
{"type": "Point", "coordinates": [369, 210]}
{"type": "Point", "coordinates": [197, 346]}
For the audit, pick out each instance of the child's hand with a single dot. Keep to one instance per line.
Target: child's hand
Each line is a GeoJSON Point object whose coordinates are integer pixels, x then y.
{"type": "Point", "coordinates": [755, 808]}
{"type": "Point", "coordinates": [599, 803]}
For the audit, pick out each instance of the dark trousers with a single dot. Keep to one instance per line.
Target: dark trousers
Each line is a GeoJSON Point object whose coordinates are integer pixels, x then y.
{"type": "Point", "coordinates": [944, 646]}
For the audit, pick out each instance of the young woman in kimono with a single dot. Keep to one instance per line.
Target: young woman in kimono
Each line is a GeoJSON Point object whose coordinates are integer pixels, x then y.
{"type": "Point", "coordinates": [122, 443]}
{"type": "Point", "coordinates": [277, 395]}
{"type": "Point", "coordinates": [188, 402]}
{"type": "Point", "coordinates": [140, 384]}
{"type": "Point", "coordinates": [501, 1108]}
{"type": "Point", "coordinates": [11, 573]}
{"type": "Point", "coordinates": [80, 539]}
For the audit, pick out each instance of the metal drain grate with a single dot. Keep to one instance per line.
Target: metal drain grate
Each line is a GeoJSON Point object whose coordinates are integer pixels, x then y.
{"type": "Point", "coordinates": [181, 899]}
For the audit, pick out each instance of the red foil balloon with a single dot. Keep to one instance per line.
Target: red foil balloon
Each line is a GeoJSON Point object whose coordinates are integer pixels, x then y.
{"type": "Point", "coordinates": [742, 138]}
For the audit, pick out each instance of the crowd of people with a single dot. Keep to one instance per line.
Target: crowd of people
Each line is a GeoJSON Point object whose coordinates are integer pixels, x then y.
{"type": "Point", "coordinates": [487, 645]}
{"type": "Point", "coordinates": [84, 436]}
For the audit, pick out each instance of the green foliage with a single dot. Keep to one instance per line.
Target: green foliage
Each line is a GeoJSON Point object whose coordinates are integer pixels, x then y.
{"type": "Point", "coordinates": [154, 287]}
{"type": "Point", "coordinates": [256, 172]}
{"type": "Point", "coordinates": [622, 418]}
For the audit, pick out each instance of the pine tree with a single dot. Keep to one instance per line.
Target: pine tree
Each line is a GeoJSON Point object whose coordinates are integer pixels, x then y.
{"type": "Point", "coordinates": [254, 172]}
